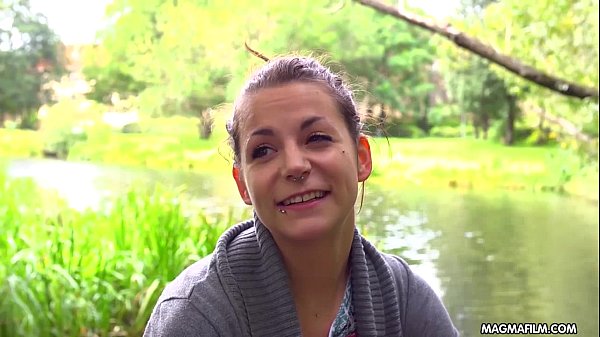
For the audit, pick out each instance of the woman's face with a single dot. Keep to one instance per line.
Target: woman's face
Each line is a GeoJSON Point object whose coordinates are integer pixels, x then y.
{"type": "Point", "coordinates": [296, 130]}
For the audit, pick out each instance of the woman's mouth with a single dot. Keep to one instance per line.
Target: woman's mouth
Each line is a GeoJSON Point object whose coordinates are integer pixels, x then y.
{"type": "Point", "coordinates": [303, 198]}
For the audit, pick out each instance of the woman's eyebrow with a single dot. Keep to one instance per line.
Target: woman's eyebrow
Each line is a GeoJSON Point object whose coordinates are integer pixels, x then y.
{"type": "Point", "coordinates": [262, 132]}
{"type": "Point", "coordinates": [269, 132]}
{"type": "Point", "coordinates": [310, 121]}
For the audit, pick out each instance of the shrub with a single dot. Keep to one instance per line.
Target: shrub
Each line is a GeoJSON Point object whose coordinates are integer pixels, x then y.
{"type": "Point", "coordinates": [445, 131]}
{"type": "Point", "coordinates": [68, 122]}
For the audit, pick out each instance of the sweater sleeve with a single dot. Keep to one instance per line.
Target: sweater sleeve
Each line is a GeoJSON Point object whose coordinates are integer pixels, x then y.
{"type": "Point", "coordinates": [422, 311]}
{"type": "Point", "coordinates": [194, 304]}
{"type": "Point", "coordinates": [178, 318]}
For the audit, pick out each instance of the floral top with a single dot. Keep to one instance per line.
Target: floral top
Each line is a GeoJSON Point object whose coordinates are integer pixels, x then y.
{"type": "Point", "coordinates": [344, 325]}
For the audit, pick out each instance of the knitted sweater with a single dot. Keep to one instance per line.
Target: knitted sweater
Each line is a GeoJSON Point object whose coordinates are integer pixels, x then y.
{"type": "Point", "coordinates": [242, 289]}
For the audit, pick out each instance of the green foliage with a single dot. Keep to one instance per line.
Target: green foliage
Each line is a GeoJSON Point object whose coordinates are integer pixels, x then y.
{"type": "Point", "coordinates": [395, 127]}
{"type": "Point", "coordinates": [558, 37]}
{"type": "Point", "coordinates": [109, 80]}
{"type": "Point", "coordinates": [68, 122]}
{"type": "Point", "coordinates": [70, 273]}
{"type": "Point", "coordinates": [388, 57]}
{"type": "Point", "coordinates": [28, 57]}
{"type": "Point", "coordinates": [446, 131]}
{"type": "Point", "coordinates": [185, 68]}
{"type": "Point", "coordinates": [166, 52]}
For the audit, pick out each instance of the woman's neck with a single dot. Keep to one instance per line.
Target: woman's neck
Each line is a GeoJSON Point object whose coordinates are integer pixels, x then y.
{"type": "Point", "coordinates": [318, 272]}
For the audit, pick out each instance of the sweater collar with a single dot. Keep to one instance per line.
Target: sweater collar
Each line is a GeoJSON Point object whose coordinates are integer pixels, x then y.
{"type": "Point", "coordinates": [251, 270]}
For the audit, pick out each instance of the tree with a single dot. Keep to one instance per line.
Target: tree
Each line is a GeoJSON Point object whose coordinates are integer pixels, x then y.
{"type": "Point", "coordinates": [475, 87]}
{"type": "Point", "coordinates": [190, 55]}
{"type": "Point", "coordinates": [168, 53]}
{"type": "Point", "coordinates": [28, 56]}
{"type": "Point", "coordinates": [547, 35]}
{"type": "Point", "coordinates": [390, 60]}
{"type": "Point", "coordinates": [474, 45]}
{"type": "Point", "coordinates": [561, 37]}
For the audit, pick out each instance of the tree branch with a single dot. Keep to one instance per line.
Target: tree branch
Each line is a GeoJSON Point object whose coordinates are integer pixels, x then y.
{"type": "Point", "coordinates": [475, 46]}
{"type": "Point", "coordinates": [565, 125]}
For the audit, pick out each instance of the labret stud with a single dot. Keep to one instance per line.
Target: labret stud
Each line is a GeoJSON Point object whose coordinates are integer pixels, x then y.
{"type": "Point", "coordinates": [282, 210]}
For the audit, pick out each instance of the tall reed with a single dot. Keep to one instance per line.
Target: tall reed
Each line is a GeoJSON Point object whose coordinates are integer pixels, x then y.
{"type": "Point", "coordinates": [94, 273]}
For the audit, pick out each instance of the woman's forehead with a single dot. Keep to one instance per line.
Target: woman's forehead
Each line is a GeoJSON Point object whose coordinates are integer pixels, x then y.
{"type": "Point", "coordinates": [309, 91]}
{"type": "Point", "coordinates": [289, 101]}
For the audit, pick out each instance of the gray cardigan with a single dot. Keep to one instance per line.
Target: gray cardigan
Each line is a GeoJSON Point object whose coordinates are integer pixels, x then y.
{"type": "Point", "coordinates": [242, 290]}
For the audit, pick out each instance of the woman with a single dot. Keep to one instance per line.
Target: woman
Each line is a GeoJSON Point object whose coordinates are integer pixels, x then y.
{"type": "Point", "coordinates": [299, 267]}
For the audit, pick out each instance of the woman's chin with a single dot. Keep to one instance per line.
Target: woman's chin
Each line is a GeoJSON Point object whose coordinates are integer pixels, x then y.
{"type": "Point", "coordinates": [307, 233]}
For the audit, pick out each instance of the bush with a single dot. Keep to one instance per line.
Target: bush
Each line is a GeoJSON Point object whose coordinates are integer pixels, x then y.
{"type": "Point", "coordinates": [397, 128]}
{"type": "Point", "coordinates": [68, 122]}
{"type": "Point", "coordinates": [445, 131]}
{"type": "Point", "coordinates": [59, 142]}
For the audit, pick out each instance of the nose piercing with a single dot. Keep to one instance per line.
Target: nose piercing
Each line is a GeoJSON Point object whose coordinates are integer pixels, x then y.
{"type": "Point", "coordinates": [300, 178]}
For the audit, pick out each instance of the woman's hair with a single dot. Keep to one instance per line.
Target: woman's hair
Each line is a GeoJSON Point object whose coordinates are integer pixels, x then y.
{"type": "Point", "coordinates": [285, 70]}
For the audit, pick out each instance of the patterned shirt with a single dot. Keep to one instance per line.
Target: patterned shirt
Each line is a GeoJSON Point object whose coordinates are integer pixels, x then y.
{"type": "Point", "coordinates": [344, 325]}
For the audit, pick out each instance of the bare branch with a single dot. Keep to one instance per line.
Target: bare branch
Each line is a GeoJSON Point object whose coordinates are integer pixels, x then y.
{"type": "Point", "coordinates": [338, 7]}
{"type": "Point", "coordinates": [256, 53]}
{"type": "Point", "coordinates": [475, 46]}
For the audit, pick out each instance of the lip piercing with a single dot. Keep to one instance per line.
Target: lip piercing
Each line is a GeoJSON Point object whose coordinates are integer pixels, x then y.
{"type": "Point", "coordinates": [282, 210]}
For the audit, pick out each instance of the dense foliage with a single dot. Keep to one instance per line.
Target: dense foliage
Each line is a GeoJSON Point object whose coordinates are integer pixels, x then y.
{"type": "Point", "coordinates": [29, 56]}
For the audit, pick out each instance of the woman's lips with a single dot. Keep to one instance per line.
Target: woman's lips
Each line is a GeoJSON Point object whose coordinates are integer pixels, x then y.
{"type": "Point", "coordinates": [305, 204]}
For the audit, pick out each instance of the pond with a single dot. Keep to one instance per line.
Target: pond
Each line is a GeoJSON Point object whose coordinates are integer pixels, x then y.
{"type": "Point", "coordinates": [492, 257]}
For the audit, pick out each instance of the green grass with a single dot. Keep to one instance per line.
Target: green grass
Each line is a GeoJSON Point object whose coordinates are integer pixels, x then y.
{"type": "Point", "coordinates": [93, 273]}
{"type": "Point", "coordinates": [20, 143]}
{"type": "Point", "coordinates": [166, 143]}
{"type": "Point", "coordinates": [476, 164]}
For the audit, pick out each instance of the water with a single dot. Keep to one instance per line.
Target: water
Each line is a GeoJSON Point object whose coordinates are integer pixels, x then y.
{"type": "Point", "coordinates": [492, 257]}
{"type": "Point", "coordinates": [85, 185]}
{"type": "Point", "coordinates": [495, 257]}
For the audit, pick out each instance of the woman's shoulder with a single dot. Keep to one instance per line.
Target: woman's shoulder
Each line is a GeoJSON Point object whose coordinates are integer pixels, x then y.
{"type": "Point", "coordinates": [421, 309]}
{"type": "Point", "coordinates": [194, 299]}
{"type": "Point", "coordinates": [199, 275]}
{"type": "Point", "coordinates": [408, 283]}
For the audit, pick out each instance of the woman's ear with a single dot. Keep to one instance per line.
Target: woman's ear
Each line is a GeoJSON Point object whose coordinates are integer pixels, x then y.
{"type": "Point", "coordinates": [365, 165]}
{"type": "Point", "coordinates": [241, 185]}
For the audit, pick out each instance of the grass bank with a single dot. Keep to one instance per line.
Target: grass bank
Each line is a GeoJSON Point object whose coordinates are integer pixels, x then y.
{"type": "Point", "coordinates": [481, 165]}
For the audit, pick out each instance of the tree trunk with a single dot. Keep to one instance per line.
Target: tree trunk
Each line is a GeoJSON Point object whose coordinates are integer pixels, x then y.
{"type": "Point", "coordinates": [509, 132]}
{"type": "Point", "coordinates": [485, 125]}
{"type": "Point", "coordinates": [382, 118]}
{"type": "Point", "coordinates": [206, 124]}
{"type": "Point", "coordinates": [424, 118]}
{"type": "Point", "coordinates": [475, 46]}
{"type": "Point", "coordinates": [476, 126]}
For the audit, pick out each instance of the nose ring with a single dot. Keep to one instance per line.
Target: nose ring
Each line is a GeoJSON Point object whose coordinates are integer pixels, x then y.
{"type": "Point", "coordinates": [300, 178]}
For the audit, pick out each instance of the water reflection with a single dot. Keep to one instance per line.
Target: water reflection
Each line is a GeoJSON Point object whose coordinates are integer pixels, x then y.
{"type": "Point", "coordinates": [495, 257]}
{"type": "Point", "coordinates": [86, 185]}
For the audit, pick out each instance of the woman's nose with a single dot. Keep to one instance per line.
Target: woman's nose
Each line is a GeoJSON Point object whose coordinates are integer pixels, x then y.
{"type": "Point", "coordinates": [295, 163]}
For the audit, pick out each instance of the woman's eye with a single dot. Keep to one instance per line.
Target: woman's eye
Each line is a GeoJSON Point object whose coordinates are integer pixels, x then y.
{"type": "Point", "coordinates": [319, 137]}
{"type": "Point", "coordinates": [261, 151]}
